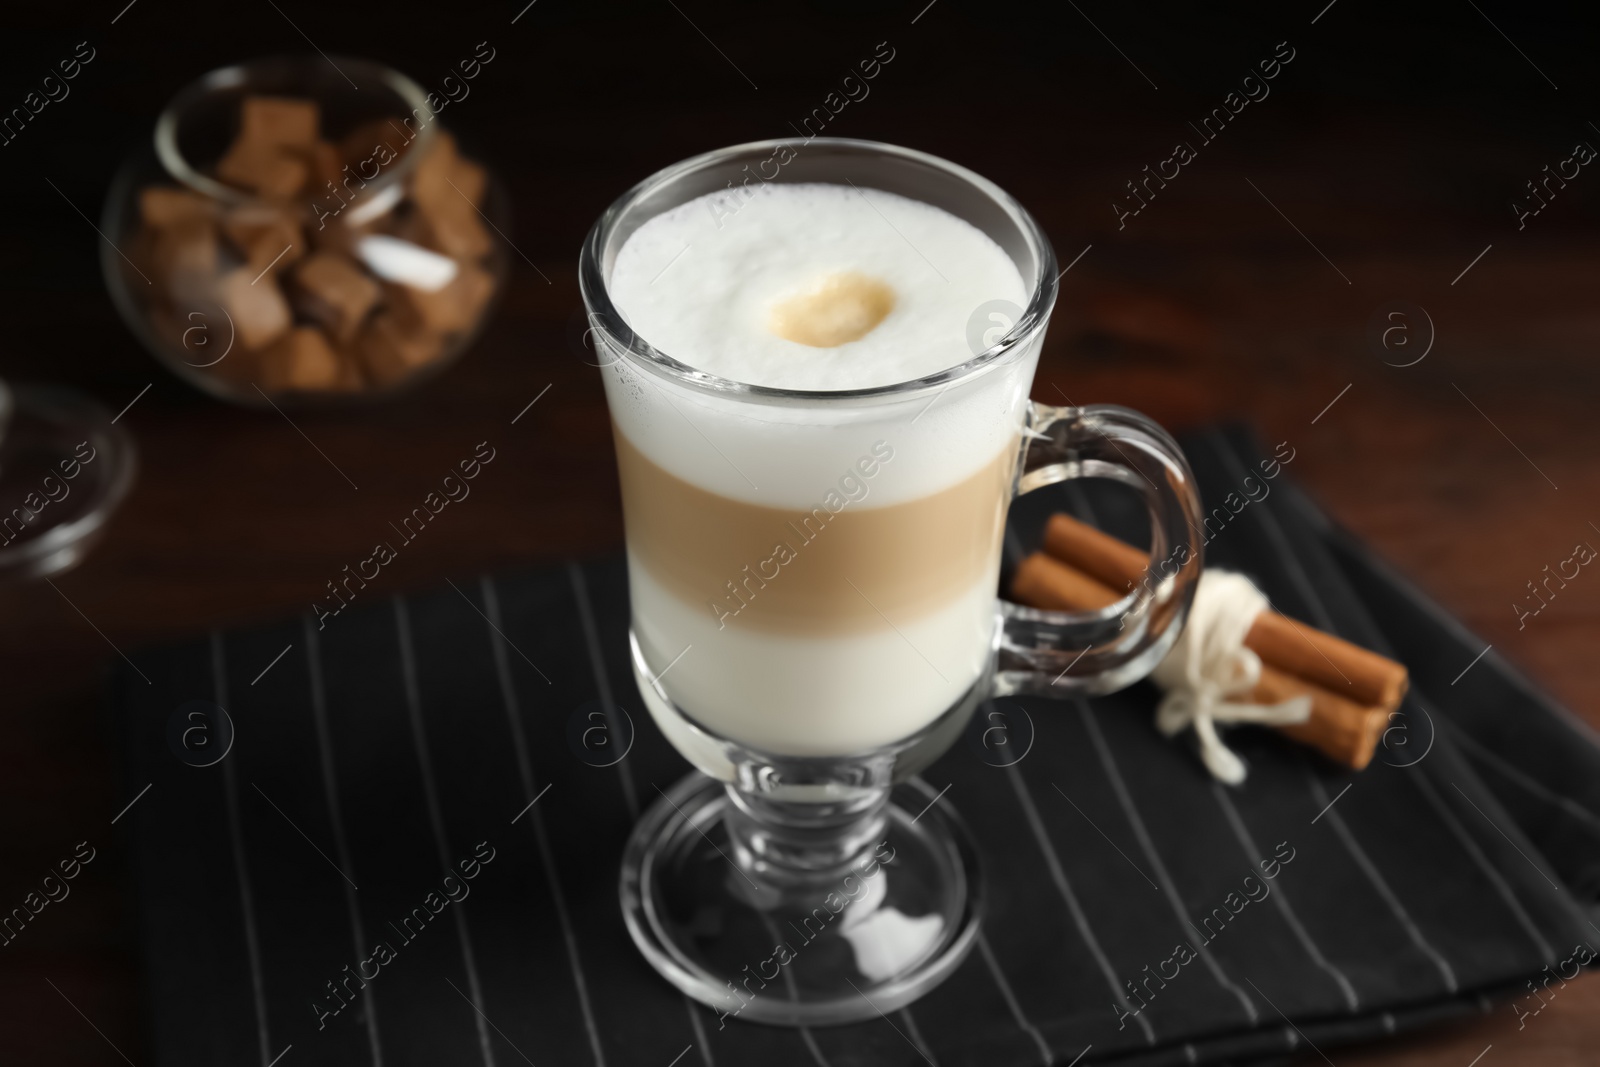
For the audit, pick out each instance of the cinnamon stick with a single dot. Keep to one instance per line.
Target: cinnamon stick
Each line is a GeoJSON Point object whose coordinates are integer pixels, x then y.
{"type": "Point", "coordinates": [1340, 728]}
{"type": "Point", "coordinates": [1344, 731]}
{"type": "Point", "coordinates": [1044, 582]}
{"type": "Point", "coordinates": [1360, 674]}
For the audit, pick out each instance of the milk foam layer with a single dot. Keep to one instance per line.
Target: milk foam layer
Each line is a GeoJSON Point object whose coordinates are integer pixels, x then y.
{"type": "Point", "coordinates": [706, 296]}
{"type": "Point", "coordinates": [700, 284]}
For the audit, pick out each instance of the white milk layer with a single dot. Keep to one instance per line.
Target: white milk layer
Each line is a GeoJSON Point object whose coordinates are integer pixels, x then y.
{"type": "Point", "coordinates": [811, 696]}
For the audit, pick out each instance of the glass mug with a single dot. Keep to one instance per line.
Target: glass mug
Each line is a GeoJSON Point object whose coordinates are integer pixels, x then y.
{"type": "Point", "coordinates": [812, 577]}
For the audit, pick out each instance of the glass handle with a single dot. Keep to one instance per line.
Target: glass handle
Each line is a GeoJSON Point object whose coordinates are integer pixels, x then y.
{"type": "Point", "coordinates": [1055, 653]}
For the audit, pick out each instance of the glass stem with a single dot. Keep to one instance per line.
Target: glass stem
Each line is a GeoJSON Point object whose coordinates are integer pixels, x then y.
{"type": "Point", "coordinates": [787, 846]}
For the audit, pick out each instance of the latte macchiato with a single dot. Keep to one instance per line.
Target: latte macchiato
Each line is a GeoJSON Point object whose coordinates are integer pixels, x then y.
{"type": "Point", "coordinates": [819, 400]}
{"type": "Point", "coordinates": [814, 578]}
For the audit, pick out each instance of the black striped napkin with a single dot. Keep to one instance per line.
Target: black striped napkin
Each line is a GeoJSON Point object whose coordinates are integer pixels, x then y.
{"type": "Point", "coordinates": [417, 775]}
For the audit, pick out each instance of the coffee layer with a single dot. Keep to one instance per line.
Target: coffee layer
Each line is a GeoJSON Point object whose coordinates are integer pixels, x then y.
{"type": "Point", "coordinates": [849, 569]}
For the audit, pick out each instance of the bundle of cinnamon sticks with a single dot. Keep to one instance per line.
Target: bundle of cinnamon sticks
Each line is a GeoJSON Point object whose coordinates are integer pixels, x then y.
{"type": "Point", "coordinates": [1353, 691]}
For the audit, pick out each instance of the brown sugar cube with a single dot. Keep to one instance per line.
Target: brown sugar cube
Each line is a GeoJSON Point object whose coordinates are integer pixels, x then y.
{"type": "Point", "coordinates": [450, 309]}
{"type": "Point", "coordinates": [331, 223]}
{"type": "Point", "coordinates": [186, 260]}
{"type": "Point", "coordinates": [436, 170]}
{"type": "Point", "coordinates": [264, 170]}
{"type": "Point", "coordinates": [447, 188]}
{"type": "Point", "coordinates": [301, 360]}
{"type": "Point", "coordinates": [339, 236]}
{"type": "Point", "coordinates": [382, 141]}
{"type": "Point", "coordinates": [444, 175]}
{"type": "Point", "coordinates": [327, 186]}
{"type": "Point", "coordinates": [351, 377]}
{"type": "Point", "coordinates": [471, 179]}
{"type": "Point", "coordinates": [326, 164]}
{"type": "Point", "coordinates": [339, 293]}
{"type": "Point", "coordinates": [163, 205]}
{"type": "Point", "coordinates": [259, 312]}
{"type": "Point", "coordinates": [265, 236]}
{"type": "Point", "coordinates": [389, 351]}
{"type": "Point", "coordinates": [456, 229]}
{"type": "Point", "coordinates": [409, 224]}
{"type": "Point", "coordinates": [189, 248]}
{"type": "Point", "coordinates": [277, 122]}
{"type": "Point", "coordinates": [240, 366]}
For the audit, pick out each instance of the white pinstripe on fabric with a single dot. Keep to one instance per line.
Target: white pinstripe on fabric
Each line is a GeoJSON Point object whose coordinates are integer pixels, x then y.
{"type": "Point", "coordinates": [916, 1036]}
{"type": "Point", "coordinates": [1379, 882]}
{"type": "Point", "coordinates": [502, 670]}
{"type": "Point", "coordinates": [419, 737]}
{"type": "Point", "coordinates": [806, 1037]}
{"type": "Point", "coordinates": [1011, 1000]}
{"type": "Point", "coordinates": [330, 790]}
{"type": "Point", "coordinates": [1281, 896]}
{"type": "Point", "coordinates": [1059, 876]}
{"type": "Point", "coordinates": [602, 681]}
{"type": "Point", "coordinates": [1473, 850]}
{"type": "Point", "coordinates": [1478, 752]}
{"type": "Point", "coordinates": [699, 1032]}
{"type": "Point", "coordinates": [241, 868]}
{"type": "Point", "coordinates": [1168, 886]}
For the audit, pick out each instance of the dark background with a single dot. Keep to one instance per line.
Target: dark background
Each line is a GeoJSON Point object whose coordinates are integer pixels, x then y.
{"type": "Point", "coordinates": [1395, 141]}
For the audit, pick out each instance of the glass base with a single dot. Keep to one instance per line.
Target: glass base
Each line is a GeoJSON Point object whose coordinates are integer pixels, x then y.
{"type": "Point", "coordinates": [825, 947]}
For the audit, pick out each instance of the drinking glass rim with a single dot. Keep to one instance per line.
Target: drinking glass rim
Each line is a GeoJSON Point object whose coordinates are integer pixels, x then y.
{"type": "Point", "coordinates": [176, 164]}
{"type": "Point", "coordinates": [597, 294]}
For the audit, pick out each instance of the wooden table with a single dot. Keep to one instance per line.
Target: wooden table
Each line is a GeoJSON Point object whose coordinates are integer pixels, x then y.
{"type": "Point", "coordinates": [1244, 289]}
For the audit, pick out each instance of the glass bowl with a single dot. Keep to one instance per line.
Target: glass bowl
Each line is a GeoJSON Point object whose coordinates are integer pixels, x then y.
{"type": "Point", "coordinates": [65, 466]}
{"type": "Point", "coordinates": [303, 230]}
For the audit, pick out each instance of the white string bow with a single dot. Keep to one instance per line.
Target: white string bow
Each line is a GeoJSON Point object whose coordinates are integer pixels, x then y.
{"type": "Point", "coordinates": [1209, 665]}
